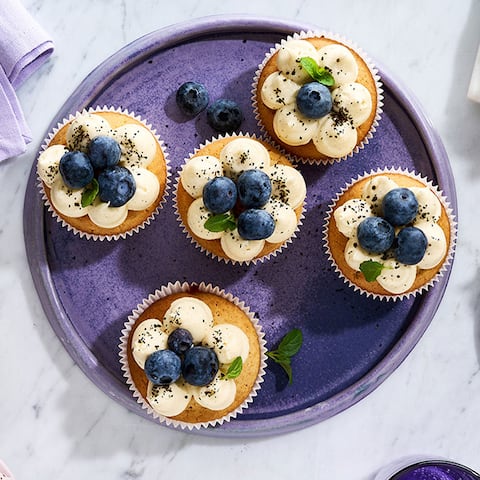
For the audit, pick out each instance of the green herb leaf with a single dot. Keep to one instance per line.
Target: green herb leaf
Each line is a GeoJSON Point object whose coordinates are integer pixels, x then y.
{"type": "Point", "coordinates": [221, 222]}
{"type": "Point", "coordinates": [90, 193]}
{"type": "Point", "coordinates": [319, 74]}
{"type": "Point", "coordinates": [287, 348]}
{"type": "Point", "coordinates": [371, 269]}
{"type": "Point", "coordinates": [235, 368]}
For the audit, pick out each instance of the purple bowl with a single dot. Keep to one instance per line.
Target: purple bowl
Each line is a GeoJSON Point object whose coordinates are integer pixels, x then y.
{"type": "Point", "coordinates": [351, 343]}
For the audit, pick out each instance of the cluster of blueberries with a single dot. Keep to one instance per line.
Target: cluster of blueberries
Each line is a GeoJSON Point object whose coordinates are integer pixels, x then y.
{"type": "Point", "coordinates": [197, 364]}
{"type": "Point", "coordinates": [248, 195]}
{"type": "Point", "coordinates": [377, 234]}
{"type": "Point", "coordinates": [78, 169]}
{"type": "Point", "coordinates": [223, 115]}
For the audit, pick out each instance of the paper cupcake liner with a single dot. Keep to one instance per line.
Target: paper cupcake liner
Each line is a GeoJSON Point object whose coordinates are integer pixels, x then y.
{"type": "Point", "coordinates": [136, 228]}
{"type": "Point", "coordinates": [373, 70]}
{"type": "Point", "coordinates": [204, 249]}
{"type": "Point", "coordinates": [450, 249]}
{"type": "Point", "coordinates": [185, 287]}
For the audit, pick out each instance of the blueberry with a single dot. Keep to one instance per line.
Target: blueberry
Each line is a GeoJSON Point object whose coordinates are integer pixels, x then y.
{"type": "Point", "coordinates": [219, 195]}
{"type": "Point", "coordinates": [104, 152]}
{"type": "Point", "coordinates": [180, 340]}
{"type": "Point", "coordinates": [411, 245]}
{"type": "Point", "coordinates": [400, 206]}
{"type": "Point", "coordinates": [254, 188]}
{"type": "Point", "coordinates": [255, 224]}
{"type": "Point", "coordinates": [200, 365]}
{"type": "Point", "coordinates": [314, 100]}
{"type": "Point", "coordinates": [76, 169]}
{"type": "Point", "coordinates": [192, 98]}
{"type": "Point", "coordinates": [224, 116]}
{"type": "Point", "coordinates": [163, 367]}
{"type": "Point", "coordinates": [375, 234]}
{"type": "Point", "coordinates": [116, 185]}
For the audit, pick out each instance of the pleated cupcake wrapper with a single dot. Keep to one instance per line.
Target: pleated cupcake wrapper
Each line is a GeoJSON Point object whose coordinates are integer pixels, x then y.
{"type": "Point", "coordinates": [205, 250]}
{"type": "Point", "coordinates": [450, 249]}
{"type": "Point", "coordinates": [378, 84]}
{"type": "Point", "coordinates": [165, 291]}
{"type": "Point", "coordinates": [135, 229]}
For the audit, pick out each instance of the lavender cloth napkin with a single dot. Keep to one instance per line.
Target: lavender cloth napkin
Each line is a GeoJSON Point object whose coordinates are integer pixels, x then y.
{"type": "Point", "coordinates": [24, 47]}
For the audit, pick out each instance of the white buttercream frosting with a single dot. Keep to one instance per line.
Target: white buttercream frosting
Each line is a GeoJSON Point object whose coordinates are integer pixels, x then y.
{"type": "Point", "coordinates": [137, 143]}
{"type": "Point", "coordinates": [189, 313]}
{"type": "Point", "coordinates": [101, 214]}
{"type": "Point", "coordinates": [239, 249]}
{"type": "Point", "coordinates": [86, 127]}
{"type": "Point", "coordinates": [335, 134]}
{"type": "Point", "coordinates": [395, 277]}
{"type": "Point", "coordinates": [147, 188]}
{"type": "Point", "coordinates": [169, 400]}
{"type": "Point", "coordinates": [229, 342]}
{"type": "Point", "coordinates": [147, 338]}
{"type": "Point", "coordinates": [217, 395]}
{"type": "Point", "coordinates": [285, 220]}
{"type": "Point", "coordinates": [48, 161]}
{"type": "Point", "coordinates": [197, 172]}
{"type": "Point", "coordinates": [68, 201]}
{"type": "Point", "coordinates": [197, 215]}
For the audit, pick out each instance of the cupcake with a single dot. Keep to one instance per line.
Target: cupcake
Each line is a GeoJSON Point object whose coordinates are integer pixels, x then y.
{"type": "Point", "coordinates": [390, 234]}
{"type": "Point", "coordinates": [317, 97]}
{"type": "Point", "coordinates": [194, 356]}
{"type": "Point", "coordinates": [239, 199]}
{"type": "Point", "coordinates": [104, 173]}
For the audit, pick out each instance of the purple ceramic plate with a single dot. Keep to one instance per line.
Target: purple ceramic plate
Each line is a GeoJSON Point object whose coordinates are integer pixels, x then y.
{"type": "Point", "coordinates": [351, 343]}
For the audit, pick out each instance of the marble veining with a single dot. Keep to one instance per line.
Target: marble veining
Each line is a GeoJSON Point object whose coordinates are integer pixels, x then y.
{"type": "Point", "coordinates": [55, 423]}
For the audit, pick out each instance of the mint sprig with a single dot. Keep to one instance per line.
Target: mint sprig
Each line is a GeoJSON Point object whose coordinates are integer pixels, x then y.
{"type": "Point", "coordinates": [371, 269]}
{"type": "Point", "coordinates": [235, 368]}
{"type": "Point", "coordinates": [319, 74]}
{"type": "Point", "coordinates": [287, 348]}
{"type": "Point", "coordinates": [221, 222]}
{"type": "Point", "coordinates": [90, 193]}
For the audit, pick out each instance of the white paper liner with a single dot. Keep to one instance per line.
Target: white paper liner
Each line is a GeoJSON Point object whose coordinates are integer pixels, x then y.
{"type": "Point", "coordinates": [203, 249]}
{"type": "Point", "coordinates": [450, 250]}
{"type": "Point", "coordinates": [373, 70]}
{"type": "Point", "coordinates": [163, 292]}
{"type": "Point", "coordinates": [135, 229]}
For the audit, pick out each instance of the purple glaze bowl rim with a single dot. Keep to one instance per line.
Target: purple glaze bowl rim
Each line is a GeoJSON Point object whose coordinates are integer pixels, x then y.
{"type": "Point", "coordinates": [432, 463]}
{"type": "Point", "coordinates": [57, 316]}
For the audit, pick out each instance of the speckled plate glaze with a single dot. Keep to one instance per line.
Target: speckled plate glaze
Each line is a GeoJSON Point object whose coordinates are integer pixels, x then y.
{"type": "Point", "coordinates": [351, 343]}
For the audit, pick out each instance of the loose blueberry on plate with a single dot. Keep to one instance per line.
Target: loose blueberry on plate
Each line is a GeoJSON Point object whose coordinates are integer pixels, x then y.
{"type": "Point", "coordinates": [179, 341]}
{"type": "Point", "coordinates": [411, 245]}
{"type": "Point", "coordinates": [104, 151]}
{"type": "Point", "coordinates": [220, 195]}
{"type": "Point", "coordinates": [314, 100]}
{"type": "Point", "coordinates": [163, 367]}
{"type": "Point", "coordinates": [116, 185]}
{"type": "Point", "coordinates": [192, 98]}
{"type": "Point", "coordinates": [224, 116]}
{"type": "Point", "coordinates": [200, 365]}
{"type": "Point", "coordinates": [76, 169]}
{"type": "Point", "coordinates": [375, 235]}
{"type": "Point", "coordinates": [254, 188]}
{"type": "Point", "coordinates": [255, 224]}
{"type": "Point", "coordinates": [400, 206]}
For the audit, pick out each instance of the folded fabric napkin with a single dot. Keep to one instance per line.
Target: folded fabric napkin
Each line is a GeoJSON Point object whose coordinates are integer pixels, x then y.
{"type": "Point", "coordinates": [24, 47]}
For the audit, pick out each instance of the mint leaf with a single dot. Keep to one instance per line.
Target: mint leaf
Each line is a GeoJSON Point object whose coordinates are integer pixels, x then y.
{"type": "Point", "coordinates": [319, 74]}
{"type": "Point", "coordinates": [221, 222]}
{"type": "Point", "coordinates": [287, 348]}
{"type": "Point", "coordinates": [371, 269]}
{"type": "Point", "coordinates": [235, 368]}
{"type": "Point", "coordinates": [90, 193]}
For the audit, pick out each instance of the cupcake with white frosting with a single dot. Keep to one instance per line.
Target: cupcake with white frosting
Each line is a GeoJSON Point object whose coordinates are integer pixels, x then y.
{"type": "Point", "coordinates": [239, 199]}
{"type": "Point", "coordinates": [390, 234]}
{"type": "Point", "coordinates": [104, 173]}
{"type": "Point", "coordinates": [194, 356]}
{"type": "Point", "coordinates": [317, 97]}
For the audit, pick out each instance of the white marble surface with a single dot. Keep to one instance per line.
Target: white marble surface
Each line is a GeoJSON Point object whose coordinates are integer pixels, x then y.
{"type": "Point", "coordinates": [56, 424]}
